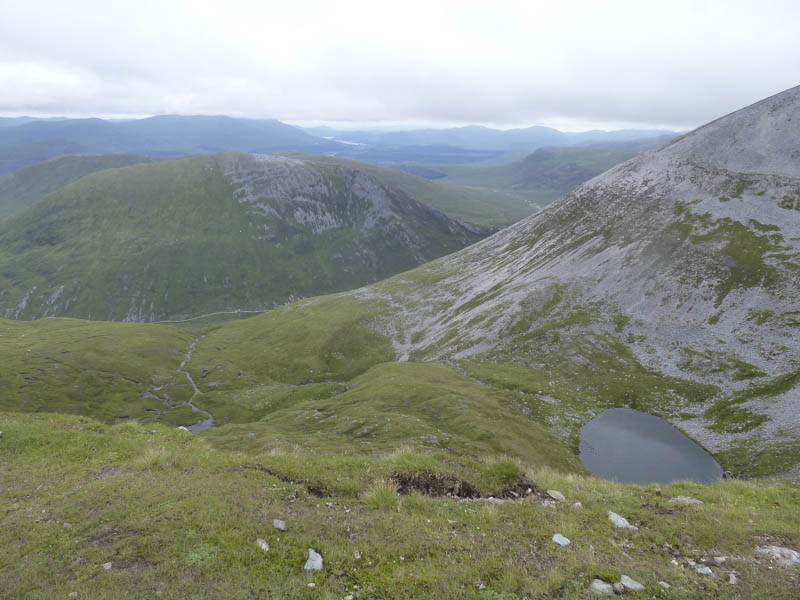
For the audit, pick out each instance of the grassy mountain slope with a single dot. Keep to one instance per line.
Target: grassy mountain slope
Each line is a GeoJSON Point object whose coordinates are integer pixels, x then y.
{"type": "Point", "coordinates": [170, 516]}
{"type": "Point", "coordinates": [198, 235]}
{"type": "Point", "coordinates": [27, 186]}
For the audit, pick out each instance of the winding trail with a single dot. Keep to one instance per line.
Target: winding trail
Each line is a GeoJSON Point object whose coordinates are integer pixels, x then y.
{"type": "Point", "coordinates": [205, 423]}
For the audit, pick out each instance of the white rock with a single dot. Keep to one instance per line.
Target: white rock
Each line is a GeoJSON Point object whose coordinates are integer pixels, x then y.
{"type": "Point", "coordinates": [314, 562]}
{"type": "Point", "coordinates": [685, 500]}
{"type": "Point", "coordinates": [348, 597]}
{"type": "Point", "coordinates": [705, 571]}
{"type": "Point", "coordinates": [577, 506]}
{"type": "Point", "coordinates": [621, 522]}
{"type": "Point", "coordinates": [106, 566]}
{"type": "Point", "coordinates": [493, 500]}
{"type": "Point", "coordinates": [312, 585]}
{"type": "Point", "coordinates": [631, 584]}
{"type": "Point", "coordinates": [182, 428]}
{"type": "Point", "coordinates": [720, 559]}
{"type": "Point", "coordinates": [601, 588]}
{"type": "Point", "coordinates": [785, 556]}
{"type": "Point", "coordinates": [664, 584]}
{"type": "Point", "coordinates": [561, 540]}
{"type": "Point", "coordinates": [278, 524]}
{"type": "Point", "coordinates": [72, 595]}
{"type": "Point", "coordinates": [556, 495]}
{"type": "Point", "coordinates": [261, 543]}
{"type": "Point", "coordinates": [732, 579]}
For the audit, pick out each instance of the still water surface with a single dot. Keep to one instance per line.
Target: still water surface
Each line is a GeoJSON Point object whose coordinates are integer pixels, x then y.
{"type": "Point", "coordinates": [630, 446]}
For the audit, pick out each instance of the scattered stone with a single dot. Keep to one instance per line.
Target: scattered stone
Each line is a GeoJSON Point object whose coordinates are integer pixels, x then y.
{"type": "Point", "coordinates": [106, 566]}
{"type": "Point", "coordinates": [561, 540]}
{"type": "Point", "coordinates": [785, 556]}
{"type": "Point", "coordinates": [601, 588]}
{"type": "Point", "coordinates": [618, 588]}
{"type": "Point", "coordinates": [705, 571]}
{"type": "Point", "coordinates": [278, 524]}
{"type": "Point", "coordinates": [577, 506]}
{"type": "Point", "coordinates": [620, 522]}
{"type": "Point", "coordinates": [692, 563]}
{"type": "Point", "coordinates": [67, 525]}
{"type": "Point", "coordinates": [312, 585]}
{"type": "Point", "coordinates": [182, 428]}
{"type": "Point", "coordinates": [720, 559]}
{"type": "Point", "coordinates": [480, 585]}
{"type": "Point", "coordinates": [348, 597]}
{"type": "Point", "coordinates": [72, 595]}
{"type": "Point", "coordinates": [357, 555]}
{"type": "Point", "coordinates": [261, 543]}
{"type": "Point", "coordinates": [631, 584]}
{"type": "Point", "coordinates": [685, 500]}
{"type": "Point", "coordinates": [732, 579]}
{"type": "Point", "coordinates": [314, 562]}
{"type": "Point", "coordinates": [493, 500]}
{"type": "Point", "coordinates": [664, 584]}
{"type": "Point", "coordinates": [556, 495]}
{"type": "Point", "coordinates": [548, 503]}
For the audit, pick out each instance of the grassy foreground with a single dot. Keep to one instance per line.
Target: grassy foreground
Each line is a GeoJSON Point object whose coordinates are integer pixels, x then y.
{"type": "Point", "coordinates": [177, 518]}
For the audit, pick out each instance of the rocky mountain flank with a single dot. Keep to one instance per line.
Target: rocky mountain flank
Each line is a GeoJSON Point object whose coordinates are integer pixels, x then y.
{"type": "Point", "coordinates": [233, 231]}
{"type": "Point", "coordinates": [682, 263]}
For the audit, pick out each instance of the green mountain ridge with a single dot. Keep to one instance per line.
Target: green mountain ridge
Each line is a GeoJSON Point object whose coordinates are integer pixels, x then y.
{"type": "Point", "coordinates": [184, 237]}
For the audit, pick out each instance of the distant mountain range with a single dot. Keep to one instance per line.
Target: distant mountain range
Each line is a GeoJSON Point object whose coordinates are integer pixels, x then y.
{"type": "Point", "coordinates": [474, 137]}
{"type": "Point", "coordinates": [25, 141]}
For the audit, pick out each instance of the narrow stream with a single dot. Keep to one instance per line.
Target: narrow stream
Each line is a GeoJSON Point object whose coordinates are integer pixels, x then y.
{"type": "Point", "coordinates": [205, 423]}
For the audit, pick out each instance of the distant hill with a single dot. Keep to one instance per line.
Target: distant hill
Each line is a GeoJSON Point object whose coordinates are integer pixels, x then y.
{"type": "Point", "coordinates": [484, 139]}
{"type": "Point", "coordinates": [168, 135]}
{"type": "Point", "coordinates": [546, 174]}
{"type": "Point", "coordinates": [190, 236]}
{"type": "Point", "coordinates": [27, 186]}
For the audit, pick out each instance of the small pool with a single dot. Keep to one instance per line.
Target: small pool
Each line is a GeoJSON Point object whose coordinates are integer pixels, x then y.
{"type": "Point", "coordinates": [631, 446]}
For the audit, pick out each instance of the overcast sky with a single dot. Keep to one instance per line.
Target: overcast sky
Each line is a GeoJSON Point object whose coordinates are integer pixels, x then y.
{"type": "Point", "coordinates": [567, 64]}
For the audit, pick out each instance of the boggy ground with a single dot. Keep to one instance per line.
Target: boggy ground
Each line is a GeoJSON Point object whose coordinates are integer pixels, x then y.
{"type": "Point", "coordinates": [176, 518]}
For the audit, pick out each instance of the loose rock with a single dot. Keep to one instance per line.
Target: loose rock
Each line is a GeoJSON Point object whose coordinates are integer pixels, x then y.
{"type": "Point", "coordinates": [561, 540]}
{"type": "Point", "coordinates": [72, 595]}
{"type": "Point", "coordinates": [577, 506]}
{"type": "Point", "coordinates": [618, 588]}
{"type": "Point", "coordinates": [732, 579]}
{"type": "Point", "coordinates": [664, 584]}
{"type": "Point", "coordinates": [685, 500]}
{"type": "Point", "coordinates": [106, 566]}
{"type": "Point", "coordinates": [314, 562]}
{"type": "Point", "coordinates": [785, 556]}
{"type": "Point", "coordinates": [261, 543]}
{"type": "Point", "coordinates": [620, 522]}
{"type": "Point", "coordinates": [556, 495]}
{"type": "Point", "coordinates": [278, 524]}
{"type": "Point", "coordinates": [601, 588]}
{"type": "Point", "coordinates": [493, 500]}
{"type": "Point", "coordinates": [705, 571]}
{"type": "Point", "coordinates": [631, 584]}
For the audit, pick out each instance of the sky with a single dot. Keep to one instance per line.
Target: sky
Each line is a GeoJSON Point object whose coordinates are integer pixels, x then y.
{"type": "Point", "coordinates": [569, 64]}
